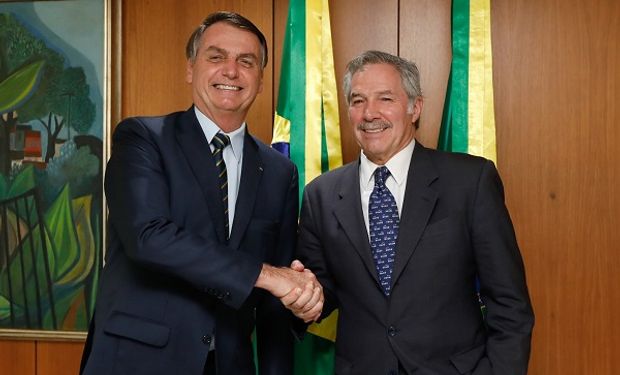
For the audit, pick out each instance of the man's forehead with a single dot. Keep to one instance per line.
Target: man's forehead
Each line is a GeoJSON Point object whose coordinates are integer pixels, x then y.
{"type": "Point", "coordinates": [224, 30]}
{"type": "Point", "coordinates": [229, 42]}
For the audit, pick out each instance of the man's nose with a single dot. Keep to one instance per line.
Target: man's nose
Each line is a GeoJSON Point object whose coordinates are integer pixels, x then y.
{"type": "Point", "coordinates": [230, 69]}
{"type": "Point", "coordinates": [371, 112]}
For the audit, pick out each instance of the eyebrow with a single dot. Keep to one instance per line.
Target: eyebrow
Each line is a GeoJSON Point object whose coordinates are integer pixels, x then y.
{"type": "Point", "coordinates": [379, 93]}
{"type": "Point", "coordinates": [384, 92]}
{"type": "Point", "coordinates": [227, 53]}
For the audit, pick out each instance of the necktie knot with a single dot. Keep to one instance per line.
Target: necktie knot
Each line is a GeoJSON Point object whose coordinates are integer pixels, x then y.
{"type": "Point", "coordinates": [220, 141]}
{"type": "Point", "coordinates": [381, 174]}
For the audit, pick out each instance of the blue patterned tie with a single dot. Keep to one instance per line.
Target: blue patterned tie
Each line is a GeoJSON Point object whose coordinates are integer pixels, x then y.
{"type": "Point", "coordinates": [383, 221]}
{"type": "Point", "coordinates": [219, 142]}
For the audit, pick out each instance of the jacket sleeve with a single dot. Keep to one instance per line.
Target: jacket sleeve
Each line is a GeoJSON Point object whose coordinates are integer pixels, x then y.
{"type": "Point", "coordinates": [502, 278]}
{"type": "Point", "coordinates": [310, 250]}
{"type": "Point", "coordinates": [137, 192]}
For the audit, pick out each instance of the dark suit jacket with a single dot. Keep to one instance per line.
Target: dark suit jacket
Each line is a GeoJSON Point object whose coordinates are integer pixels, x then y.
{"type": "Point", "coordinates": [454, 225]}
{"type": "Point", "coordinates": [171, 281]}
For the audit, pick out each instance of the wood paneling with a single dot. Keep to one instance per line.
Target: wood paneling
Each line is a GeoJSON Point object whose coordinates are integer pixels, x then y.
{"type": "Point", "coordinates": [17, 357]}
{"type": "Point", "coordinates": [58, 358]}
{"type": "Point", "coordinates": [557, 87]}
{"type": "Point", "coordinates": [424, 37]}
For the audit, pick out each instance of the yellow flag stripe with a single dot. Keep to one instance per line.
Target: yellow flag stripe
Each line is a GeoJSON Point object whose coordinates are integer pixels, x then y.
{"type": "Point", "coordinates": [313, 90]}
{"type": "Point", "coordinates": [281, 129]}
{"type": "Point", "coordinates": [321, 89]}
{"type": "Point", "coordinates": [327, 328]}
{"type": "Point", "coordinates": [330, 94]}
{"type": "Point", "coordinates": [481, 114]}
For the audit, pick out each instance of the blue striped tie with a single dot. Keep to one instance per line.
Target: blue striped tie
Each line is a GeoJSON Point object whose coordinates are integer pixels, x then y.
{"type": "Point", "coordinates": [383, 221]}
{"type": "Point", "coordinates": [219, 142]}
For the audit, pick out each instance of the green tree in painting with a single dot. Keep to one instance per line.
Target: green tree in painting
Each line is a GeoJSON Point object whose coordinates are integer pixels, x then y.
{"type": "Point", "coordinates": [14, 91]}
{"type": "Point", "coordinates": [68, 96]}
{"type": "Point", "coordinates": [62, 96]}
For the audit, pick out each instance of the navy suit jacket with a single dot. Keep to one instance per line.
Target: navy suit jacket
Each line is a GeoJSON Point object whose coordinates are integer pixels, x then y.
{"type": "Point", "coordinates": [454, 226]}
{"type": "Point", "coordinates": [172, 282]}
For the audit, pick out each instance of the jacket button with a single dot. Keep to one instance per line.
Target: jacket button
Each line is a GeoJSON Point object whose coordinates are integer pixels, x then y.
{"type": "Point", "coordinates": [206, 340]}
{"type": "Point", "coordinates": [392, 331]}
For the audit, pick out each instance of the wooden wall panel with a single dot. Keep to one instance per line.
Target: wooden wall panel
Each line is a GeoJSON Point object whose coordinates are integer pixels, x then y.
{"type": "Point", "coordinates": [424, 37]}
{"type": "Point", "coordinates": [154, 36]}
{"type": "Point", "coordinates": [557, 88]}
{"type": "Point", "coordinates": [17, 357]}
{"type": "Point", "coordinates": [58, 358]}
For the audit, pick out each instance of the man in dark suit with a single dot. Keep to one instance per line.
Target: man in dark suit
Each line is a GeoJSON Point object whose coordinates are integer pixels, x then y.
{"type": "Point", "coordinates": [202, 221]}
{"type": "Point", "coordinates": [398, 238]}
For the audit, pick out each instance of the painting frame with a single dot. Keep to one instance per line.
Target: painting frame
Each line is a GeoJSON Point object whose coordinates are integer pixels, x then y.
{"type": "Point", "coordinates": [110, 104]}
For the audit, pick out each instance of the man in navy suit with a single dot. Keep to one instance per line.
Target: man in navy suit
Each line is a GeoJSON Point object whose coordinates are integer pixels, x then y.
{"type": "Point", "coordinates": [398, 238]}
{"type": "Point", "coordinates": [202, 224]}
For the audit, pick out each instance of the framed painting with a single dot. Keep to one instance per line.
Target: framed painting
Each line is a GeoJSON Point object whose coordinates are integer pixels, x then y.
{"type": "Point", "coordinates": [55, 112]}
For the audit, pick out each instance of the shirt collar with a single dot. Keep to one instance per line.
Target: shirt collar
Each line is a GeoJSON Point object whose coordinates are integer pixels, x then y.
{"type": "Point", "coordinates": [398, 166]}
{"type": "Point", "coordinates": [210, 129]}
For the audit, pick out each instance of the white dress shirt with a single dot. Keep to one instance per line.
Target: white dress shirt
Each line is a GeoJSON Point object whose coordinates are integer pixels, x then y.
{"type": "Point", "coordinates": [398, 166]}
{"type": "Point", "coordinates": [233, 157]}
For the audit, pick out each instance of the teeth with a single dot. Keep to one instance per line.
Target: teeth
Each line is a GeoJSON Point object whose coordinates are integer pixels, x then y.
{"type": "Point", "coordinates": [374, 130]}
{"type": "Point", "coordinates": [227, 87]}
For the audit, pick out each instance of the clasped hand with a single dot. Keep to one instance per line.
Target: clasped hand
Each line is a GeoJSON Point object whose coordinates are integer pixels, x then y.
{"type": "Point", "coordinates": [296, 287]}
{"type": "Point", "coordinates": [306, 299]}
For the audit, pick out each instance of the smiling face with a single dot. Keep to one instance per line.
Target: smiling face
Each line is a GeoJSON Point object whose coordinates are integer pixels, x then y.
{"type": "Point", "coordinates": [226, 74]}
{"type": "Point", "coordinates": [380, 112]}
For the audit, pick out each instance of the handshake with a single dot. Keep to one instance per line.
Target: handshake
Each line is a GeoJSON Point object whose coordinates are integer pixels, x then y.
{"type": "Point", "coordinates": [296, 287]}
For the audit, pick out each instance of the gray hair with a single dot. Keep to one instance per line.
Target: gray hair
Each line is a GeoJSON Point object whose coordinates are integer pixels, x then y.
{"type": "Point", "coordinates": [233, 19]}
{"type": "Point", "coordinates": [409, 74]}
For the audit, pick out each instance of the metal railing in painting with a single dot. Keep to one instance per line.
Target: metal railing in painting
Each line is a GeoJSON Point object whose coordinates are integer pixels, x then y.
{"type": "Point", "coordinates": [25, 262]}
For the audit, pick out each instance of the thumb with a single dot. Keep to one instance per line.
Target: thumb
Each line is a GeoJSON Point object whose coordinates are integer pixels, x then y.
{"type": "Point", "coordinates": [297, 266]}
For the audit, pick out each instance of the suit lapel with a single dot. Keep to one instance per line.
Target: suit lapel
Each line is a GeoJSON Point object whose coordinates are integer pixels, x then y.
{"type": "Point", "coordinates": [418, 205]}
{"type": "Point", "coordinates": [196, 149]}
{"type": "Point", "coordinates": [251, 173]}
{"type": "Point", "coordinates": [349, 214]}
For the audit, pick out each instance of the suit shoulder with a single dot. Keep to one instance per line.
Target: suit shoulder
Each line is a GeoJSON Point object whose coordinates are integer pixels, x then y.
{"type": "Point", "coordinates": [456, 161]}
{"type": "Point", "coordinates": [333, 178]}
{"type": "Point", "coordinates": [271, 156]}
{"type": "Point", "coordinates": [146, 124]}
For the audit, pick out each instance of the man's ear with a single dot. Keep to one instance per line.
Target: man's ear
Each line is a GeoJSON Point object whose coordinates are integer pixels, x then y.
{"type": "Point", "coordinates": [189, 71]}
{"type": "Point", "coordinates": [416, 109]}
{"type": "Point", "coordinates": [260, 84]}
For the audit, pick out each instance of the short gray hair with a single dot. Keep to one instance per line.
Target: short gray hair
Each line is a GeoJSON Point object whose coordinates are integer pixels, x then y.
{"type": "Point", "coordinates": [409, 74]}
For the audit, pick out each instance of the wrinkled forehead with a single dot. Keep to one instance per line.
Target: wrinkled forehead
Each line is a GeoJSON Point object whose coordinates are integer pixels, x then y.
{"type": "Point", "coordinates": [235, 40]}
{"type": "Point", "coordinates": [376, 79]}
